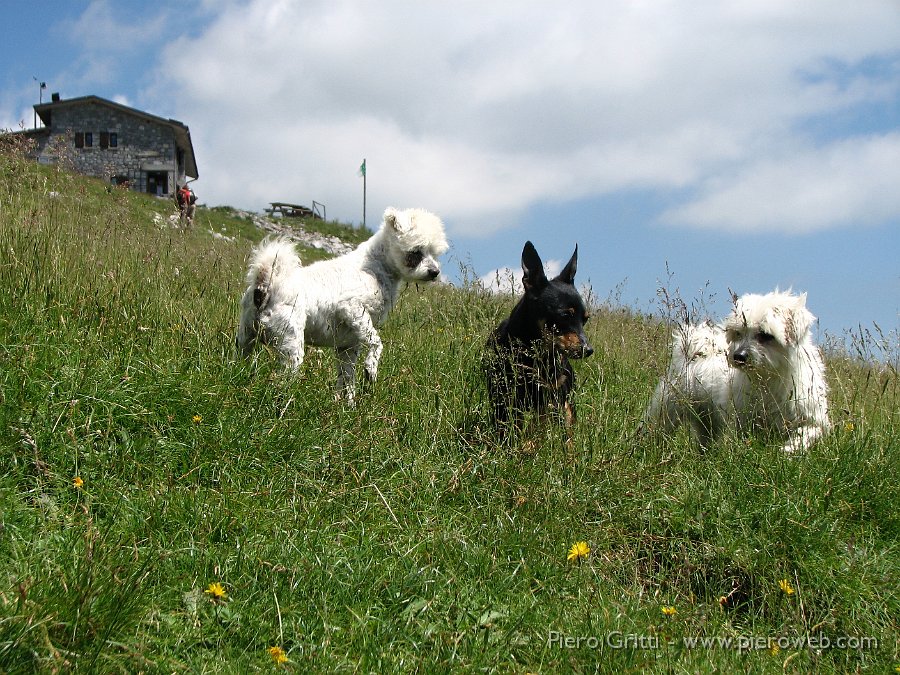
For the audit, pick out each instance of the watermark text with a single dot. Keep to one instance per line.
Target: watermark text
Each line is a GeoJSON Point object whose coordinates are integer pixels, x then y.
{"type": "Point", "coordinates": [622, 640]}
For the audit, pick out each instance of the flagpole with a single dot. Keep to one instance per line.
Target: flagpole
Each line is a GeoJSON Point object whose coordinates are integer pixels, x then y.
{"type": "Point", "coordinates": [364, 191]}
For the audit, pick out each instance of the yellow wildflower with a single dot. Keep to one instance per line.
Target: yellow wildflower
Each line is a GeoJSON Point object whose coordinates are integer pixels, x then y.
{"type": "Point", "coordinates": [217, 592]}
{"type": "Point", "coordinates": [669, 611]}
{"type": "Point", "coordinates": [196, 419]}
{"type": "Point", "coordinates": [849, 426]}
{"type": "Point", "coordinates": [77, 482]}
{"type": "Point", "coordinates": [579, 550]}
{"type": "Point", "coordinates": [278, 655]}
{"type": "Point", "coordinates": [785, 586]}
{"type": "Point", "coordinates": [774, 649]}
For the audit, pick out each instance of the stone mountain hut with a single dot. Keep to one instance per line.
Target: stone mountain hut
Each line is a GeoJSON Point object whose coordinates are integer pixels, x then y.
{"type": "Point", "coordinates": [113, 142]}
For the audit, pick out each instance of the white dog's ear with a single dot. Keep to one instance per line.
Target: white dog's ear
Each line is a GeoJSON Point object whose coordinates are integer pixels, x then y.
{"type": "Point", "coordinates": [798, 321]}
{"type": "Point", "coordinates": [392, 219]}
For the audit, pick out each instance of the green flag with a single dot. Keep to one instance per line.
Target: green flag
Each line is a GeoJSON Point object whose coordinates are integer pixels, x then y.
{"type": "Point", "coordinates": [362, 169]}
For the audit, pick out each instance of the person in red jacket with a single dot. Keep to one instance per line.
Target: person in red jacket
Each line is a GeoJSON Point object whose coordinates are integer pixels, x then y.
{"type": "Point", "coordinates": [186, 200]}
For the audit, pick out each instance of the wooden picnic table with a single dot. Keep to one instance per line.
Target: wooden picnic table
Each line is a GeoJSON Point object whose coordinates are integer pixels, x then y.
{"type": "Point", "coordinates": [286, 210]}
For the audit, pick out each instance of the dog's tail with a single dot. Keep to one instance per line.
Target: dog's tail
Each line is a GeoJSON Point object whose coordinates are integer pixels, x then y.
{"type": "Point", "coordinates": [271, 261]}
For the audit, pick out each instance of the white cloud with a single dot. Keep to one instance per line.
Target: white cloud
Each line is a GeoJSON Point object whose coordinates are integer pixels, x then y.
{"type": "Point", "coordinates": [508, 281]}
{"type": "Point", "coordinates": [847, 183]}
{"type": "Point", "coordinates": [13, 115]}
{"type": "Point", "coordinates": [101, 29]}
{"type": "Point", "coordinates": [478, 111]}
{"type": "Point", "coordinates": [108, 46]}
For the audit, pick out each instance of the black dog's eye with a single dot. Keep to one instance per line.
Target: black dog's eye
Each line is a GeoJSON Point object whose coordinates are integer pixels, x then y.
{"type": "Point", "coordinates": [413, 258]}
{"type": "Point", "coordinates": [765, 337]}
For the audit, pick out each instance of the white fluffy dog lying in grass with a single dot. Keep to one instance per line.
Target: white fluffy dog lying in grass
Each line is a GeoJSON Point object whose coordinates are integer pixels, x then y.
{"type": "Point", "coordinates": [759, 370]}
{"type": "Point", "coordinates": [337, 303]}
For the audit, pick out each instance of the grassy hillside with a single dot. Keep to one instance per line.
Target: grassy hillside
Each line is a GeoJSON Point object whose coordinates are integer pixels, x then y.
{"type": "Point", "coordinates": [143, 464]}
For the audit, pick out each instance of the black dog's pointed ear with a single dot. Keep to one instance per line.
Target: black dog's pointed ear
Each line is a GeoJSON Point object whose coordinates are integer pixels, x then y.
{"type": "Point", "coordinates": [568, 273]}
{"type": "Point", "coordinates": [533, 277]}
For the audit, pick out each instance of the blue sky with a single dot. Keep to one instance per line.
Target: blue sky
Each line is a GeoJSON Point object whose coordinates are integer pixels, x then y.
{"type": "Point", "coordinates": [703, 146]}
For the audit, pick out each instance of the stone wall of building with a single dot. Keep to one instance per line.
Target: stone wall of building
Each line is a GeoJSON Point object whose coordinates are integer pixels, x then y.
{"type": "Point", "coordinates": [142, 147]}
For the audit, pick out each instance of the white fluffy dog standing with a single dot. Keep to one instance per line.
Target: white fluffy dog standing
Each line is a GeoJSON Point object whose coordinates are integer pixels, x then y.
{"type": "Point", "coordinates": [759, 370]}
{"type": "Point", "coordinates": [340, 302]}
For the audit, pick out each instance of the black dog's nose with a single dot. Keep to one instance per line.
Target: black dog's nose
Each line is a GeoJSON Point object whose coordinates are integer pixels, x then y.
{"type": "Point", "coordinates": [585, 350]}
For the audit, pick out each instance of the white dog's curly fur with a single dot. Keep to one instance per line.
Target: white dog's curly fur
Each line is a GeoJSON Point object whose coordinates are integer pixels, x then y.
{"type": "Point", "coordinates": [337, 303]}
{"type": "Point", "coordinates": [759, 370]}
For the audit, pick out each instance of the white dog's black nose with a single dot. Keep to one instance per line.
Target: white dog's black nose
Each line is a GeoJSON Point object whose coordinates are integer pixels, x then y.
{"type": "Point", "coordinates": [740, 356]}
{"type": "Point", "coordinates": [432, 274]}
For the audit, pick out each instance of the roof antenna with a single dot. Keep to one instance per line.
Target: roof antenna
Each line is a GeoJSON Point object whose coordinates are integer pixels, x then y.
{"type": "Point", "coordinates": [40, 96]}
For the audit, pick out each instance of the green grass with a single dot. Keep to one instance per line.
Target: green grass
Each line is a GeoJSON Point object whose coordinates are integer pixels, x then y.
{"type": "Point", "coordinates": [397, 536]}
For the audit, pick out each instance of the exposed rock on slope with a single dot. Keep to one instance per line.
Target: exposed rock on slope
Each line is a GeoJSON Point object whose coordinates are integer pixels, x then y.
{"type": "Point", "coordinates": [329, 244]}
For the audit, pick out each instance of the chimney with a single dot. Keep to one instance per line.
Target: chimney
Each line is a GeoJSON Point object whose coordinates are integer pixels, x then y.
{"type": "Point", "coordinates": [54, 97]}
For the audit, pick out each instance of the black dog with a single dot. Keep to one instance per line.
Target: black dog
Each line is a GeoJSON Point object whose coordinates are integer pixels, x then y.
{"type": "Point", "coordinates": [527, 361]}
